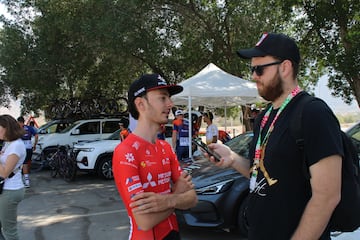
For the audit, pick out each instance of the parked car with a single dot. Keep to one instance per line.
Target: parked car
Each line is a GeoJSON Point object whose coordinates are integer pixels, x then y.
{"type": "Point", "coordinates": [82, 130]}
{"type": "Point", "coordinates": [96, 156]}
{"type": "Point", "coordinates": [354, 133]}
{"type": "Point", "coordinates": [221, 192]}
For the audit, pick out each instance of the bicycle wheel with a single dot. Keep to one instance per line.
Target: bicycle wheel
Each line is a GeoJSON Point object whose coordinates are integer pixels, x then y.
{"type": "Point", "coordinates": [122, 105]}
{"type": "Point", "coordinates": [37, 162]}
{"type": "Point", "coordinates": [110, 107]}
{"type": "Point", "coordinates": [54, 165]}
{"type": "Point", "coordinates": [69, 168]}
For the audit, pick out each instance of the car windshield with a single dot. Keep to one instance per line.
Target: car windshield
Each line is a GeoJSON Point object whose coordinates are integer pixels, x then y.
{"type": "Point", "coordinates": [45, 126]}
{"type": "Point", "coordinates": [354, 131]}
{"type": "Point", "coordinates": [71, 126]}
{"type": "Point", "coordinates": [241, 143]}
{"type": "Point", "coordinates": [115, 135]}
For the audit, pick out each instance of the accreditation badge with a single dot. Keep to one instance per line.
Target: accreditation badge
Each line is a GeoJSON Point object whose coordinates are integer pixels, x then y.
{"type": "Point", "coordinates": [253, 178]}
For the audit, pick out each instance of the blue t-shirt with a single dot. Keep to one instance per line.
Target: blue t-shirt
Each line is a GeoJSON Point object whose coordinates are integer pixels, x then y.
{"type": "Point", "coordinates": [183, 133]}
{"type": "Point", "coordinates": [29, 132]}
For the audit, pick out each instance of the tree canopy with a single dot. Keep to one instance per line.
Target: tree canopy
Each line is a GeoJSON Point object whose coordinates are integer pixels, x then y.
{"type": "Point", "coordinates": [65, 49]}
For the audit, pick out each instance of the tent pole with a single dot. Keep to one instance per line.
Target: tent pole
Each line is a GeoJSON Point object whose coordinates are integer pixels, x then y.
{"type": "Point", "coordinates": [225, 116]}
{"type": "Point", "coordinates": [190, 128]}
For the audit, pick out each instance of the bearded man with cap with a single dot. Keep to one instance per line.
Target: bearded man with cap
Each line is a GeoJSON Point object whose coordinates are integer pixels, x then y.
{"type": "Point", "coordinates": [146, 171]}
{"type": "Point", "coordinates": [283, 202]}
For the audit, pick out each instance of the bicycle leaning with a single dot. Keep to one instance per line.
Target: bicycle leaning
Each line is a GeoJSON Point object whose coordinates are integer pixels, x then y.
{"type": "Point", "coordinates": [63, 163]}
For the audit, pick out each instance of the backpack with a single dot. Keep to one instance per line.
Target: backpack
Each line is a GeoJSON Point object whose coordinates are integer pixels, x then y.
{"type": "Point", "coordinates": [346, 216]}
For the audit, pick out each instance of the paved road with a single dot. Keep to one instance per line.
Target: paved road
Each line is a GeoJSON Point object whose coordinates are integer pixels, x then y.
{"type": "Point", "coordinates": [88, 209]}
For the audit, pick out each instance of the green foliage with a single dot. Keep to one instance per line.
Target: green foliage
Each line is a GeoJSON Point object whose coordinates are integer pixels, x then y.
{"type": "Point", "coordinates": [63, 48]}
{"type": "Point", "coordinates": [329, 34]}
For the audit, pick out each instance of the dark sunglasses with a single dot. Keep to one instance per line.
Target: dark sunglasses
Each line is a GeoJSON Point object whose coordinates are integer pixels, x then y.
{"type": "Point", "coordinates": [259, 69]}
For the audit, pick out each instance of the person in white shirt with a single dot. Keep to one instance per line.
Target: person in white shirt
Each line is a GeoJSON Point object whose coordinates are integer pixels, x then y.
{"type": "Point", "coordinates": [212, 131]}
{"type": "Point", "coordinates": [12, 156]}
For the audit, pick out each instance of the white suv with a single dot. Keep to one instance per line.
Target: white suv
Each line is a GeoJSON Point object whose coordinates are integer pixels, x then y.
{"type": "Point", "coordinates": [82, 130]}
{"type": "Point", "coordinates": [97, 155]}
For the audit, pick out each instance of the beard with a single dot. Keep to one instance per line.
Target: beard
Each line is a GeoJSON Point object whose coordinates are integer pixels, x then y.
{"type": "Point", "coordinates": [273, 89]}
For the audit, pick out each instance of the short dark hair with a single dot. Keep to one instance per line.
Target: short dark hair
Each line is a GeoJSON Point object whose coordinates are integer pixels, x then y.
{"type": "Point", "coordinates": [13, 129]}
{"type": "Point", "coordinates": [209, 115]}
{"type": "Point", "coordinates": [132, 108]}
{"type": "Point", "coordinates": [125, 122]}
{"type": "Point", "coordinates": [21, 119]}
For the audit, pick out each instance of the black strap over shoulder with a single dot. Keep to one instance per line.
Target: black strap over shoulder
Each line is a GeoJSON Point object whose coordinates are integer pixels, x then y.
{"type": "Point", "coordinates": [296, 127]}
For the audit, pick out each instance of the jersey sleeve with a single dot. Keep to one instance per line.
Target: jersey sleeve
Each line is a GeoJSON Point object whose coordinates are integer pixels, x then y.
{"type": "Point", "coordinates": [175, 128]}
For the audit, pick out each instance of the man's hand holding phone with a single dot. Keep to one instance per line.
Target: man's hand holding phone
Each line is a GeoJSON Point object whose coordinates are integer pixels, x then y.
{"type": "Point", "coordinates": [204, 148]}
{"type": "Point", "coordinates": [225, 152]}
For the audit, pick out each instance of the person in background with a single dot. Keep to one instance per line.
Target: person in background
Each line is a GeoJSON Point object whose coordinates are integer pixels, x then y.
{"type": "Point", "coordinates": [179, 116]}
{"type": "Point", "coordinates": [32, 124]}
{"type": "Point", "coordinates": [251, 114]}
{"type": "Point", "coordinates": [30, 147]}
{"type": "Point", "coordinates": [146, 171]}
{"type": "Point", "coordinates": [161, 133]}
{"type": "Point", "coordinates": [278, 183]}
{"type": "Point", "coordinates": [12, 157]}
{"type": "Point", "coordinates": [212, 131]}
{"type": "Point", "coordinates": [197, 123]}
{"type": "Point", "coordinates": [180, 137]}
{"type": "Point", "coordinates": [124, 130]}
{"type": "Point", "coordinates": [224, 136]}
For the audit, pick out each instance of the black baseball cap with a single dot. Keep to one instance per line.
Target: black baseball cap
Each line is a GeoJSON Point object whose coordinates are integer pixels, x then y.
{"type": "Point", "coordinates": [149, 82]}
{"type": "Point", "coordinates": [273, 44]}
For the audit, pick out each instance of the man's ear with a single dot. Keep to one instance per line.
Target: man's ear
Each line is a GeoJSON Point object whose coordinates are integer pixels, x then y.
{"type": "Point", "coordinates": [286, 68]}
{"type": "Point", "coordinates": [139, 103]}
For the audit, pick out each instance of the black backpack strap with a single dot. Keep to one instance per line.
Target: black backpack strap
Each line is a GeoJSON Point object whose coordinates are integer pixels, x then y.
{"type": "Point", "coordinates": [296, 128]}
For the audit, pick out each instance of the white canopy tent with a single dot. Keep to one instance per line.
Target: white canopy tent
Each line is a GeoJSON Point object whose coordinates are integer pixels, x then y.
{"type": "Point", "coordinates": [214, 87]}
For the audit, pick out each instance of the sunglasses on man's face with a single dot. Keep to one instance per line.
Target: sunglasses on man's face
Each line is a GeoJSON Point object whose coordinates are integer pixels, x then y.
{"type": "Point", "coordinates": [259, 69]}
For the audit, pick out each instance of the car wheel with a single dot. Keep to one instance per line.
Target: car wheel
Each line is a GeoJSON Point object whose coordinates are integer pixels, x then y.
{"type": "Point", "coordinates": [104, 167]}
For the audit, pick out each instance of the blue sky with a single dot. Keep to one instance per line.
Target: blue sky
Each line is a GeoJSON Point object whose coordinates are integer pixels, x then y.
{"type": "Point", "coordinates": [336, 104]}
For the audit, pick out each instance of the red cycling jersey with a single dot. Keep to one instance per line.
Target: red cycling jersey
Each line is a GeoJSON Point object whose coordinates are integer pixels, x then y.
{"type": "Point", "coordinates": [140, 166]}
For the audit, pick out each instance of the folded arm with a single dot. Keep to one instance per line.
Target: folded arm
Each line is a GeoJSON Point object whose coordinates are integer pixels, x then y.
{"type": "Point", "coordinates": [151, 208]}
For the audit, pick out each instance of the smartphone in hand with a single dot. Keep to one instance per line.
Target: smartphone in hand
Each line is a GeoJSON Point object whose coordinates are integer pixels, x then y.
{"type": "Point", "coordinates": [206, 149]}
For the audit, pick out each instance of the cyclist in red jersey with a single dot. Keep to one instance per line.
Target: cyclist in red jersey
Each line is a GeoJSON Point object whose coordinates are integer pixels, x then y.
{"type": "Point", "coordinates": [146, 171]}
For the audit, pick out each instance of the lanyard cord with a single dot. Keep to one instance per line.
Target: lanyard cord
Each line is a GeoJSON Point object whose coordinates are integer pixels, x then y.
{"type": "Point", "coordinates": [261, 144]}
